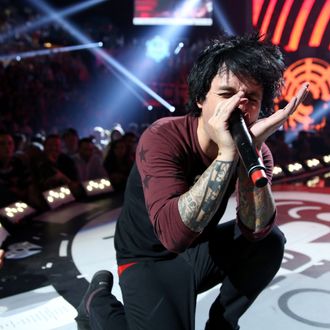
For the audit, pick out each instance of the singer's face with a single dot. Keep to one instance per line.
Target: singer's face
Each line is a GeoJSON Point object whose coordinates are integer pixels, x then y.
{"type": "Point", "coordinates": [224, 86]}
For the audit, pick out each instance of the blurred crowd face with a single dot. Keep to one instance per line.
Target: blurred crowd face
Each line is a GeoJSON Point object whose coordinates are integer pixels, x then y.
{"type": "Point", "coordinates": [71, 142]}
{"type": "Point", "coordinates": [53, 148]}
{"type": "Point", "coordinates": [115, 135]}
{"type": "Point", "coordinates": [86, 150]}
{"type": "Point", "coordinates": [120, 149]}
{"type": "Point", "coordinates": [7, 148]}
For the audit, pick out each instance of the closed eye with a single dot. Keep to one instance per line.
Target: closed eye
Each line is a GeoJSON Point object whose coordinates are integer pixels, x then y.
{"type": "Point", "coordinates": [226, 95]}
{"type": "Point", "coordinates": [254, 100]}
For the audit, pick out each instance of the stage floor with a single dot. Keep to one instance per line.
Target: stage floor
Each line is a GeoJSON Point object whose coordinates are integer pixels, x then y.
{"type": "Point", "coordinates": [50, 260]}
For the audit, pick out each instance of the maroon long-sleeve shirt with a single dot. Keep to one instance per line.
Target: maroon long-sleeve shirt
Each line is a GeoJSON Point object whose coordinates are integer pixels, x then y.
{"type": "Point", "coordinates": [168, 162]}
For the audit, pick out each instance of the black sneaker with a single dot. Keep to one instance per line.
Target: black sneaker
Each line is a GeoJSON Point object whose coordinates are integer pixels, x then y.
{"type": "Point", "coordinates": [101, 280]}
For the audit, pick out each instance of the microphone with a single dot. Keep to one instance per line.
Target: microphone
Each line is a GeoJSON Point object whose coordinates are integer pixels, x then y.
{"type": "Point", "coordinates": [246, 149]}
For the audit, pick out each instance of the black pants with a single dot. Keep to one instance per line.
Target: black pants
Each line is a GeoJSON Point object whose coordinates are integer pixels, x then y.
{"type": "Point", "coordinates": [162, 294]}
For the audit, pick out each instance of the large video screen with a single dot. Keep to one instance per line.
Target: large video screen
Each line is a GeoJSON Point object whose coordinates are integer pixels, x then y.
{"type": "Point", "coordinates": [173, 12]}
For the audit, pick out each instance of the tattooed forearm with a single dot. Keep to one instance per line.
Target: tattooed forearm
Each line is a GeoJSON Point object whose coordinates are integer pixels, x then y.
{"type": "Point", "coordinates": [256, 205]}
{"type": "Point", "coordinates": [198, 205]}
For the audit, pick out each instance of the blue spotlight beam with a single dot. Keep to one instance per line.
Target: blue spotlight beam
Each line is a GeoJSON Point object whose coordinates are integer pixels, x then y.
{"type": "Point", "coordinates": [221, 18]}
{"type": "Point", "coordinates": [100, 52]}
{"type": "Point", "coordinates": [124, 82]}
{"type": "Point", "coordinates": [51, 51]}
{"type": "Point", "coordinates": [46, 20]}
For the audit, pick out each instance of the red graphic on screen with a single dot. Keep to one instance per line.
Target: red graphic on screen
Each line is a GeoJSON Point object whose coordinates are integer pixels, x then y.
{"type": "Point", "coordinates": [293, 22]}
{"type": "Point", "coordinates": [317, 72]}
{"type": "Point", "coordinates": [172, 11]}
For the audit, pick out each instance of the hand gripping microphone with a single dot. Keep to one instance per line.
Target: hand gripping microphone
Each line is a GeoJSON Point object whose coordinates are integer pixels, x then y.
{"type": "Point", "coordinates": [246, 149]}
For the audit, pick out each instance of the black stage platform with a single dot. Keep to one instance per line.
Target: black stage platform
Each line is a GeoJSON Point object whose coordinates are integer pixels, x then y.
{"type": "Point", "coordinates": [51, 258]}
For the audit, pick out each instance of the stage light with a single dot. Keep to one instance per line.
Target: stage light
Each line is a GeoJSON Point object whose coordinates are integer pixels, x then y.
{"type": "Point", "coordinates": [150, 107]}
{"type": "Point", "coordinates": [50, 51]}
{"type": "Point", "coordinates": [33, 25]}
{"type": "Point", "coordinates": [178, 48]}
{"type": "Point", "coordinates": [316, 166]}
{"type": "Point", "coordinates": [313, 163]}
{"type": "Point", "coordinates": [313, 182]}
{"type": "Point", "coordinates": [100, 52]}
{"type": "Point", "coordinates": [295, 168]}
{"type": "Point", "coordinates": [58, 196]}
{"type": "Point", "coordinates": [157, 49]}
{"type": "Point", "coordinates": [326, 159]}
{"type": "Point", "coordinates": [16, 211]}
{"type": "Point", "coordinates": [278, 172]}
{"type": "Point", "coordinates": [96, 187]}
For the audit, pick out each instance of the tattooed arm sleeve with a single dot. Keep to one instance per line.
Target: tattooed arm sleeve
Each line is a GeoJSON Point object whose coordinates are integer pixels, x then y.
{"type": "Point", "coordinates": [256, 206]}
{"type": "Point", "coordinates": [198, 205]}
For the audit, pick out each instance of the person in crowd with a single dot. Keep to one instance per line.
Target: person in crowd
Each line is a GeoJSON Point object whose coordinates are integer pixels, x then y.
{"type": "Point", "coordinates": [118, 163]}
{"type": "Point", "coordinates": [70, 140]}
{"type": "Point", "coordinates": [55, 168]}
{"type": "Point", "coordinates": [131, 140]}
{"type": "Point", "coordinates": [133, 127]}
{"type": "Point", "coordinates": [171, 239]}
{"type": "Point", "coordinates": [20, 141]}
{"type": "Point", "coordinates": [16, 182]}
{"type": "Point", "coordinates": [88, 161]}
{"type": "Point", "coordinates": [117, 132]}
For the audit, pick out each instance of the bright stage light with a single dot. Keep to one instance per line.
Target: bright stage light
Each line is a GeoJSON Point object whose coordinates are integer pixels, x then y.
{"type": "Point", "coordinates": [277, 172]}
{"type": "Point", "coordinates": [158, 49]}
{"type": "Point", "coordinates": [100, 52]}
{"type": "Point", "coordinates": [326, 159]}
{"type": "Point", "coordinates": [178, 48]}
{"type": "Point", "coordinates": [295, 168]}
{"type": "Point", "coordinates": [58, 196]}
{"type": "Point", "coordinates": [46, 20]}
{"type": "Point", "coordinates": [97, 187]}
{"type": "Point", "coordinates": [51, 51]}
{"type": "Point", "coordinates": [15, 212]}
{"type": "Point", "coordinates": [313, 163]}
{"type": "Point", "coordinates": [313, 182]}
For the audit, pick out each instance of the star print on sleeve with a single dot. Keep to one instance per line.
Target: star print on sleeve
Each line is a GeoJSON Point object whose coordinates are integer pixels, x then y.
{"type": "Point", "coordinates": [142, 154]}
{"type": "Point", "coordinates": [146, 181]}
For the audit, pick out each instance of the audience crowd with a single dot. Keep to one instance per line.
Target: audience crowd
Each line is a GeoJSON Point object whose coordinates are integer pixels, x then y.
{"type": "Point", "coordinates": [31, 167]}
